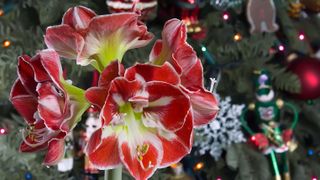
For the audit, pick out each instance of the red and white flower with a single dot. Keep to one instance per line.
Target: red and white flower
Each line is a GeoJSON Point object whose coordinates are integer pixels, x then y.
{"type": "Point", "coordinates": [146, 124]}
{"type": "Point", "coordinates": [174, 48]}
{"type": "Point", "coordinates": [96, 39]}
{"type": "Point", "coordinates": [50, 106]}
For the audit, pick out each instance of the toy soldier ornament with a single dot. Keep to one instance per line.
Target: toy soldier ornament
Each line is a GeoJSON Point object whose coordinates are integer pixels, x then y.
{"type": "Point", "coordinates": [272, 139]}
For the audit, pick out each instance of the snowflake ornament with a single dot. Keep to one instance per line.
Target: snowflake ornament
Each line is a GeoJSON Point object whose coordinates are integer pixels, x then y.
{"type": "Point", "coordinates": [224, 131]}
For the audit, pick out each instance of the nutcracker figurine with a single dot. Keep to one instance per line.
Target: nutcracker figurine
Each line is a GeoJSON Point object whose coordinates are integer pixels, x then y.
{"type": "Point", "coordinates": [273, 139]}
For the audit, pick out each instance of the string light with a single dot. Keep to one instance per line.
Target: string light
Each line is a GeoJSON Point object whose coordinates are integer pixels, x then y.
{"type": "Point", "coordinates": [219, 178]}
{"type": "Point", "coordinates": [253, 138]}
{"type": "Point", "coordinates": [203, 49]}
{"type": "Point", "coordinates": [198, 166]}
{"type": "Point", "coordinates": [237, 37]}
{"type": "Point", "coordinates": [314, 178]}
{"type": "Point", "coordinates": [301, 36]}
{"type": "Point", "coordinates": [225, 16]}
{"type": "Point", "coordinates": [1, 12]}
{"type": "Point", "coordinates": [2, 131]}
{"type": "Point", "coordinates": [310, 152]}
{"type": "Point", "coordinates": [281, 48]}
{"type": "Point", "coordinates": [6, 43]}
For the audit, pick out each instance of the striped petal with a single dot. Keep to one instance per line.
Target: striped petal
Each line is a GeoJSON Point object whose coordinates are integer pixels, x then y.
{"type": "Point", "coordinates": [78, 17]}
{"type": "Point", "coordinates": [102, 149]}
{"type": "Point", "coordinates": [26, 74]}
{"type": "Point", "coordinates": [23, 102]}
{"type": "Point", "coordinates": [178, 144]}
{"type": "Point", "coordinates": [64, 40]}
{"type": "Point", "coordinates": [168, 106]}
{"type": "Point", "coordinates": [55, 152]}
{"type": "Point", "coordinates": [147, 72]}
{"type": "Point", "coordinates": [51, 105]}
{"type": "Point", "coordinates": [204, 106]}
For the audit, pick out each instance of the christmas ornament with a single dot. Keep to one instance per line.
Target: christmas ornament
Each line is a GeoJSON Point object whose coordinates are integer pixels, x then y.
{"type": "Point", "coordinates": [148, 8]}
{"type": "Point", "coordinates": [295, 8]}
{"type": "Point", "coordinates": [224, 131]}
{"type": "Point", "coordinates": [178, 172]}
{"type": "Point", "coordinates": [27, 176]}
{"type": "Point", "coordinates": [190, 15]}
{"type": "Point", "coordinates": [272, 139]}
{"type": "Point", "coordinates": [66, 164]}
{"type": "Point", "coordinates": [262, 16]}
{"type": "Point", "coordinates": [225, 4]}
{"type": "Point", "coordinates": [312, 5]}
{"type": "Point", "coordinates": [308, 72]}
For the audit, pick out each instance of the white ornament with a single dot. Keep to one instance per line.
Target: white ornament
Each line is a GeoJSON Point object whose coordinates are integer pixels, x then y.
{"type": "Point", "coordinates": [66, 164]}
{"type": "Point", "coordinates": [221, 132]}
{"type": "Point", "coordinates": [93, 123]}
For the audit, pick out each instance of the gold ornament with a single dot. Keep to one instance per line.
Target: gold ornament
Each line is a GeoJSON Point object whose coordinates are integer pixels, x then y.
{"type": "Point", "coordinates": [280, 103]}
{"type": "Point", "coordinates": [312, 5]}
{"type": "Point", "coordinates": [295, 9]}
{"type": "Point", "coordinates": [251, 106]}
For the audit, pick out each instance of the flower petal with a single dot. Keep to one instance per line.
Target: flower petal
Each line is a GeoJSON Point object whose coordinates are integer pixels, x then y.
{"type": "Point", "coordinates": [97, 96]}
{"type": "Point", "coordinates": [23, 102]}
{"type": "Point", "coordinates": [55, 152]}
{"type": "Point", "coordinates": [143, 159]}
{"type": "Point", "coordinates": [204, 106]}
{"type": "Point", "coordinates": [191, 68]}
{"type": "Point", "coordinates": [65, 40]}
{"type": "Point", "coordinates": [51, 63]}
{"type": "Point", "coordinates": [173, 36]}
{"type": "Point", "coordinates": [113, 70]}
{"type": "Point", "coordinates": [178, 144]}
{"type": "Point", "coordinates": [121, 90]}
{"type": "Point", "coordinates": [40, 73]}
{"type": "Point", "coordinates": [78, 17]}
{"type": "Point", "coordinates": [147, 72]}
{"type": "Point", "coordinates": [51, 105]}
{"type": "Point", "coordinates": [24, 147]}
{"type": "Point", "coordinates": [110, 36]}
{"type": "Point", "coordinates": [168, 105]}
{"type": "Point", "coordinates": [26, 74]}
{"type": "Point", "coordinates": [94, 142]}
{"type": "Point", "coordinates": [102, 149]}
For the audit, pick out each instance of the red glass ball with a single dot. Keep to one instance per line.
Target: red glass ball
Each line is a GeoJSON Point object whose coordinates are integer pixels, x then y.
{"type": "Point", "coordinates": [308, 71]}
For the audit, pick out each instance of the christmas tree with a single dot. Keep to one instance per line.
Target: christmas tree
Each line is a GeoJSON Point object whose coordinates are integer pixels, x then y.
{"type": "Point", "coordinates": [260, 58]}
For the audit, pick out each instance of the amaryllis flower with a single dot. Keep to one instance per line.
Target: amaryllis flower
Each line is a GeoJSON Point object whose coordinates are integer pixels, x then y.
{"type": "Point", "coordinates": [50, 106]}
{"type": "Point", "coordinates": [173, 48]}
{"type": "Point", "coordinates": [146, 125]}
{"type": "Point", "coordinates": [96, 39]}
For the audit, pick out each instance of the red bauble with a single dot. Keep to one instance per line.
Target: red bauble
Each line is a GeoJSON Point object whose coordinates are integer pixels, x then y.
{"type": "Point", "coordinates": [148, 8]}
{"type": "Point", "coordinates": [308, 71]}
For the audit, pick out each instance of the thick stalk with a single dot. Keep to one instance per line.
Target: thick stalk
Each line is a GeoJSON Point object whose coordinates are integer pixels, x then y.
{"type": "Point", "coordinates": [113, 174]}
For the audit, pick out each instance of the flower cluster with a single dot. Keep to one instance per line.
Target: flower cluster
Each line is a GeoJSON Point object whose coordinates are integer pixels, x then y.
{"type": "Point", "coordinates": [148, 111]}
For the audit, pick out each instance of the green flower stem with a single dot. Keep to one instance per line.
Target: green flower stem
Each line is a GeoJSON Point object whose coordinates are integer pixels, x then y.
{"type": "Point", "coordinates": [113, 174]}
